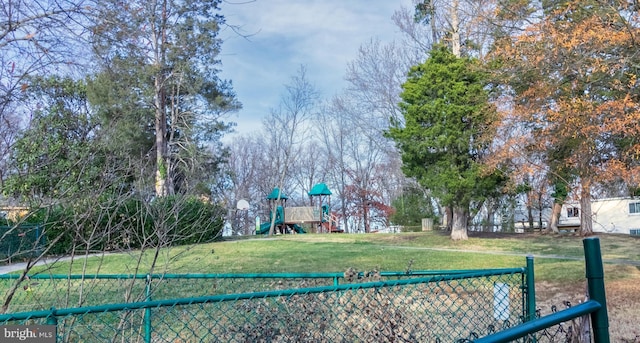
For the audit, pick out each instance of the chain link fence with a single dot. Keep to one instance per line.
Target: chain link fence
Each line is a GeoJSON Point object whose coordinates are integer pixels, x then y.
{"type": "Point", "coordinates": [576, 330]}
{"type": "Point", "coordinates": [584, 323]}
{"type": "Point", "coordinates": [20, 242]}
{"type": "Point", "coordinates": [43, 291]}
{"type": "Point", "coordinates": [363, 307]}
{"type": "Point", "coordinates": [483, 306]}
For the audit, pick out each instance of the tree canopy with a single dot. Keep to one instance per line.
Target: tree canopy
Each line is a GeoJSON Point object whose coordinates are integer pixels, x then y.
{"type": "Point", "coordinates": [51, 155]}
{"type": "Point", "coordinates": [159, 76]}
{"type": "Point", "coordinates": [571, 83]}
{"type": "Point", "coordinates": [447, 119]}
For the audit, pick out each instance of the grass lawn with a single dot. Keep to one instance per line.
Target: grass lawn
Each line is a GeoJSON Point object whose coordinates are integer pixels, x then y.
{"type": "Point", "coordinates": [557, 258]}
{"type": "Point", "coordinates": [559, 264]}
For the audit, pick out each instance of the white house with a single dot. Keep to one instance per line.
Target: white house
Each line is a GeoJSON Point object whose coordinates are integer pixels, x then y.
{"type": "Point", "coordinates": [612, 215]}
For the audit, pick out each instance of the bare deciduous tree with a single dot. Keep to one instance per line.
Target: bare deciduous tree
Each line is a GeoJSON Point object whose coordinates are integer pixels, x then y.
{"type": "Point", "coordinates": [245, 169]}
{"type": "Point", "coordinates": [467, 27]}
{"type": "Point", "coordinates": [286, 126]}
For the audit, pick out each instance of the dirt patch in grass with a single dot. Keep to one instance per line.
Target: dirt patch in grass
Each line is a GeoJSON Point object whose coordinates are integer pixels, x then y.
{"type": "Point", "coordinates": [623, 304]}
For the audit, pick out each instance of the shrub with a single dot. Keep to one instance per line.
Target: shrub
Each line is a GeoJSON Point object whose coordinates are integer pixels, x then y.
{"type": "Point", "coordinates": [55, 221]}
{"type": "Point", "coordinates": [180, 220]}
{"type": "Point", "coordinates": [131, 223]}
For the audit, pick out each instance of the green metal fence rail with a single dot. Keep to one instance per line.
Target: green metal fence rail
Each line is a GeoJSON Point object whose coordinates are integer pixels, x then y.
{"type": "Point", "coordinates": [442, 308]}
{"type": "Point", "coordinates": [43, 291]}
{"type": "Point", "coordinates": [596, 307]}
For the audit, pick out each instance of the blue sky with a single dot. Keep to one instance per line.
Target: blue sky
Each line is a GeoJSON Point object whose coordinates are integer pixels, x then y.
{"type": "Point", "coordinates": [323, 35]}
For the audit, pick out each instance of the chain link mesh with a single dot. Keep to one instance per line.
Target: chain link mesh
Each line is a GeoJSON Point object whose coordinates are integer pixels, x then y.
{"type": "Point", "coordinates": [437, 309]}
{"type": "Point", "coordinates": [574, 331]}
{"type": "Point", "coordinates": [41, 292]}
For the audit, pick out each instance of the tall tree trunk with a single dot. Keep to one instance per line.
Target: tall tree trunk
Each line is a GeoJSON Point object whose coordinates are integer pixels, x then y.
{"type": "Point", "coordinates": [455, 29]}
{"type": "Point", "coordinates": [490, 225]}
{"type": "Point", "coordinates": [540, 207]}
{"type": "Point", "coordinates": [343, 210]}
{"type": "Point", "coordinates": [529, 212]}
{"type": "Point", "coordinates": [586, 215]}
{"type": "Point", "coordinates": [162, 169]}
{"type": "Point", "coordinates": [448, 217]}
{"type": "Point", "coordinates": [365, 216]}
{"type": "Point", "coordinates": [555, 215]}
{"type": "Point", "coordinates": [459, 225]}
{"type": "Point", "coordinates": [274, 213]}
{"type": "Point", "coordinates": [162, 161]}
{"type": "Point", "coordinates": [432, 21]}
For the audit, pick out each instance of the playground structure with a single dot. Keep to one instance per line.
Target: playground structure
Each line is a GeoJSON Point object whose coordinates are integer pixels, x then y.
{"type": "Point", "coordinates": [280, 225]}
{"type": "Point", "coordinates": [288, 219]}
{"type": "Point", "coordinates": [328, 222]}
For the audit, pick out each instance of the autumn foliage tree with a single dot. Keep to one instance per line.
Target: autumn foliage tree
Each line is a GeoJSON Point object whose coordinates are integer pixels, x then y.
{"type": "Point", "coordinates": [571, 82]}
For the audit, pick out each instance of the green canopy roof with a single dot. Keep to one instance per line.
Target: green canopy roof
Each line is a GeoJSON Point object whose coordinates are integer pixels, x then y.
{"type": "Point", "coordinates": [319, 189]}
{"type": "Point", "coordinates": [274, 195]}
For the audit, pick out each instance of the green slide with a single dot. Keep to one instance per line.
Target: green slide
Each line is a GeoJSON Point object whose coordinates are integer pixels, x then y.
{"type": "Point", "coordinates": [297, 228]}
{"type": "Point", "coordinates": [264, 228]}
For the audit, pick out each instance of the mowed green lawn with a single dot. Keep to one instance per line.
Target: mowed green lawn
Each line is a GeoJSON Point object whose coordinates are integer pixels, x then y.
{"type": "Point", "coordinates": [557, 258]}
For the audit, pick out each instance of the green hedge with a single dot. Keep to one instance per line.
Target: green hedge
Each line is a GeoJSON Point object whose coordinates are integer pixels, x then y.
{"type": "Point", "coordinates": [117, 224]}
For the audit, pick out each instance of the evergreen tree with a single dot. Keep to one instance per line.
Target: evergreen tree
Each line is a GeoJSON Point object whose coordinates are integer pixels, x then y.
{"type": "Point", "coordinates": [442, 140]}
{"type": "Point", "coordinates": [411, 207]}
{"type": "Point", "coordinates": [159, 79]}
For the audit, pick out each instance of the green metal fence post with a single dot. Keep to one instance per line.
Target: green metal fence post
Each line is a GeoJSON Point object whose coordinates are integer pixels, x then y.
{"type": "Point", "coordinates": [595, 285]}
{"type": "Point", "coordinates": [531, 290]}
{"type": "Point", "coordinates": [53, 320]}
{"type": "Point", "coordinates": [147, 311]}
{"type": "Point", "coordinates": [530, 293]}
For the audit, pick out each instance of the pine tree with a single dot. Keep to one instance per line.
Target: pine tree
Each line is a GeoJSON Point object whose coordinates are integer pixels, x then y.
{"type": "Point", "coordinates": [159, 58]}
